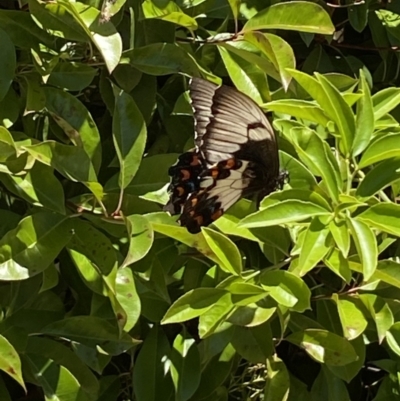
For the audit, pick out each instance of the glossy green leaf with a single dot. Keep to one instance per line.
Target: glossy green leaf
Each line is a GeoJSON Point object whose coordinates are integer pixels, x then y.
{"type": "Point", "coordinates": [39, 187]}
{"type": "Point", "coordinates": [277, 385]}
{"type": "Point", "coordinates": [35, 96]}
{"type": "Point", "coordinates": [92, 331]}
{"type": "Point", "coordinates": [141, 238]}
{"type": "Point", "coordinates": [225, 249]}
{"type": "Point", "coordinates": [193, 304]}
{"type": "Point", "coordinates": [56, 381]}
{"type": "Point", "coordinates": [380, 312]}
{"type": "Point", "coordinates": [324, 346]}
{"type": "Point", "coordinates": [340, 112]}
{"type": "Point", "coordinates": [328, 387]}
{"type": "Point", "coordinates": [10, 362]}
{"type": "Point", "coordinates": [254, 344]}
{"type": "Point", "coordinates": [383, 148]}
{"type": "Point", "coordinates": [364, 118]}
{"type": "Point", "coordinates": [365, 241]}
{"type": "Point", "coordinates": [341, 235]}
{"type": "Point", "coordinates": [7, 145]}
{"type": "Point", "coordinates": [389, 272]}
{"type": "Point", "coordinates": [383, 216]}
{"type": "Point", "coordinates": [30, 248]}
{"type": "Point", "coordinates": [160, 59]}
{"type": "Point", "coordinates": [277, 50]}
{"type": "Point", "coordinates": [247, 77]}
{"type": "Point", "coordinates": [385, 101]}
{"type": "Point", "coordinates": [72, 76]}
{"type": "Point", "coordinates": [337, 262]}
{"type": "Point", "coordinates": [185, 367]}
{"type": "Point", "coordinates": [286, 289]}
{"type": "Point", "coordinates": [291, 16]}
{"type": "Point", "coordinates": [384, 174]}
{"type": "Point", "coordinates": [102, 33]}
{"type": "Point", "coordinates": [76, 122]}
{"type": "Point", "coordinates": [251, 315]}
{"type": "Point", "coordinates": [317, 243]}
{"type": "Point", "coordinates": [149, 379]}
{"type": "Point", "coordinates": [352, 315]}
{"type": "Point", "coordinates": [288, 211]}
{"type": "Point", "coordinates": [214, 316]}
{"type": "Point", "coordinates": [393, 338]}
{"type": "Point", "coordinates": [129, 136]}
{"type": "Point", "coordinates": [215, 372]}
{"type": "Point", "coordinates": [300, 176]}
{"type": "Point", "coordinates": [301, 109]}
{"type": "Point", "coordinates": [169, 11]}
{"type": "Point", "coordinates": [62, 355]}
{"type": "Point", "coordinates": [8, 65]}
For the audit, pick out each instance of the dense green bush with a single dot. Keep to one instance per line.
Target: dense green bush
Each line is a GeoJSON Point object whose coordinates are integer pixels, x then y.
{"type": "Point", "coordinates": [104, 297]}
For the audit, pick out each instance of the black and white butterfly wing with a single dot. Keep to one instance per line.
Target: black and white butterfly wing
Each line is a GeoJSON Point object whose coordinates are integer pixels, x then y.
{"type": "Point", "coordinates": [235, 155]}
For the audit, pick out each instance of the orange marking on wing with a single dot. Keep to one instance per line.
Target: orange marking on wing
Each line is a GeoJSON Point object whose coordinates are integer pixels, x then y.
{"type": "Point", "coordinates": [185, 174]}
{"type": "Point", "coordinates": [199, 219]}
{"type": "Point", "coordinates": [194, 202]}
{"type": "Point", "coordinates": [230, 163]}
{"type": "Point", "coordinates": [195, 161]}
{"type": "Point", "coordinates": [216, 215]}
{"type": "Point", "coordinates": [214, 173]}
{"type": "Point", "coordinates": [180, 190]}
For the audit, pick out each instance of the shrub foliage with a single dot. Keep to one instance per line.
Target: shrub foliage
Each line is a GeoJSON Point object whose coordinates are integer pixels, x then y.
{"type": "Point", "coordinates": [104, 297]}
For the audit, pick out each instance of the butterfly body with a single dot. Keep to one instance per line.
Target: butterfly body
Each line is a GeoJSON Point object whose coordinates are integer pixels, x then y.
{"type": "Point", "coordinates": [235, 156]}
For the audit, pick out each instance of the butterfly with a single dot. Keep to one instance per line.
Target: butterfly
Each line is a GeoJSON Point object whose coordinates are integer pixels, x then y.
{"type": "Point", "coordinates": [235, 155]}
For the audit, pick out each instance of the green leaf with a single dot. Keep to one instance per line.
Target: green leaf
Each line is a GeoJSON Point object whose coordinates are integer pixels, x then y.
{"type": "Point", "coordinates": [300, 176]}
{"type": "Point", "coordinates": [365, 241]}
{"type": "Point", "coordinates": [169, 11]}
{"type": "Point", "coordinates": [149, 379]}
{"type": "Point", "coordinates": [383, 216]}
{"type": "Point", "coordinates": [286, 289]}
{"type": "Point", "coordinates": [389, 272]}
{"type": "Point", "coordinates": [382, 148]}
{"type": "Point", "coordinates": [7, 145]}
{"type": "Point", "coordinates": [328, 387]}
{"type": "Point", "coordinates": [297, 15]}
{"type": "Point", "coordinates": [33, 245]}
{"type": "Point", "coordinates": [56, 381]}
{"type": "Point", "coordinates": [225, 249]}
{"type": "Point", "coordinates": [277, 51]}
{"type": "Point", "coordinates": [35, 96]}
{"type": "Point", "coordinates": [185, 367]}
{"type": "Point", "coordinates": [301, 109]}
{"type": "Point", "coordinates": [352, 315]}
{"type": "Point", "coordinates": [39, 187]}
{"type": "Point", "coordinates": [92, 331]}
{"type": "Point", "coordinates": [337, 262]}
{"type": "Point", "coordinates": [324, 346]}
{"type": "Point", "coordinates": [340, 112]}
{"type": "Point", "coordinates": [10, 362]}
{"type": "Point", "coordinates": [254, 344]}
{"type": "Point", "coordinates": [193, 304]}
{"type": "Point", "coordinates": [72, 76]}
{"type": "Point", "coordinates": [317, 243]}
{"type": "Point", "coordinates": [212, 318]}
{"type": "Point", "coordinates": [161, 59]}
{"type": "Point", "coordinates": [364, 119]}
{"type": "Point", "coordinates": [141, 237]}
{"type": "Point", "coordinates": [129, 136]}
{"type": "Point", "coordinates": [349, 371]}
{"type": "Point", "coordinates": [128, 297]}
{"type": "Point", "coordinates": [393, 338]}
{"type": "Point", "coordinates": [384, 174]}
{"type": "Point", "coordinates": [247, 77]}
{"type": "Point", "coordinates": [61, 355]}
{"type": "Point", "coordinates": [278, 383]}
{"type": "Point", "coordinates": [8, 64]}
{"type": "Point", "coordinates": [102, 33]}
{"type": "Point", "coordinates": [288, 211]}
{"type": "Point", "coordinates": [76, 122]}
{"type": "Point", "coordinates": [385, 101]}
{"type": "Point", "coordinates": [380, 312]}
{"type": "Point", "coordinates": [341, 235]}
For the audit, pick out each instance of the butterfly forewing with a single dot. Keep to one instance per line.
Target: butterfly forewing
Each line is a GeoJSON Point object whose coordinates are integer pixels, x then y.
{"type": "Point", "coordinates": [236, 155]}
